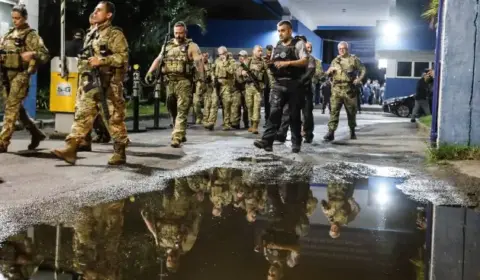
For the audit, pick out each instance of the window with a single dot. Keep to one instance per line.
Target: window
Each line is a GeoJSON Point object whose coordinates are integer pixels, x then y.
{"type": "Point", "coordinates": [419, 68]}
{"type": "Point", "coordinates": [404, 69]}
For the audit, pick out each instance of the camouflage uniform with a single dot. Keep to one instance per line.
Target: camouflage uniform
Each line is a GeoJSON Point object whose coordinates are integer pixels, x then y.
{"type": "Point", "coordinates": [220, 194]}
{"type": "Point", "coordinates": [110, 45]}
{"type": "Point", "coordinates": [341, 208]}
{"type": "Point", "coordinates": [210, 102]}
{"type": "Point", "coordinates": [178, 69]}
{"type": "Point", "coordinates": [198, 97]}
{"type": "Point", "coordinates": [96, 241]}
{"type": "Point", "coordinates": [238, 95]}
{"type": "Point", "coordinates": [259, 68]}
{"type": "Point", "coordinates": [18, 258]}
{"type": "Point", "coordinates": [16, 77]}
{"type": "Point", "coordinates": [225, 76]}
{"type": "Point", "coordinates": [343, 90]}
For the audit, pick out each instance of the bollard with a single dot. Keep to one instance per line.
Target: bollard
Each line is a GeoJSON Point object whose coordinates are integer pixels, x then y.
{"type": "Point", "coordinates": [156, 106]}
{"type": "Point", "coordinates": [136, 101]}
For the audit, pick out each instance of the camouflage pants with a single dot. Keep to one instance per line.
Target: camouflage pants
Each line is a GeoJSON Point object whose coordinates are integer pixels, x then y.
{"type": "Point", "coordinates": [227, 93]}
{"type": "Point", "coordinates": [210, 105]}
{"type": "Point", "coordinates": [96, 240]}
{"type": "Point", "coordinates": [98, 125]}
{"type": "Point", "coordinates": [197, 101]}
{"type": "Point", "coordinates": [343, 94]}
{"type": "Point", "coordinates": [235, 111]}
{"type": "Point", "coordinates": [253, 99]}
{"type": "Point", "coordinates": [19, 83]}
{"type": "Point", "coordinates": [180, 92]}
{"type": "Point", "coordinates": [88, 110]}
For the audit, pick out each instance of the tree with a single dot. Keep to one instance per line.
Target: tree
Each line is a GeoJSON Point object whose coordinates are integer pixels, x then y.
{"type": "Point", "coordinates": [432, 13]}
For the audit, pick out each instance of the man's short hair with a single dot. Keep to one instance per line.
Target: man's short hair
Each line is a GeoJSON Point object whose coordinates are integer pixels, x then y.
{"type": "Point", "coordinates": [110, 7]}
{"type": "Point", "coordinates": [301, 37]}
{"type": "Point", "coordinates": [285, 22]}
{"type": "Point", "coordinates": [257, 47]}
{"type": "Point", "coordinates": [222, 49]}
{"type": "Point", "coordinates": [243, 53]}
{"type": "Point", "coordinates": [180, 24]}
{"type": "Point", "coordinates": [269, 47]}
{"type": "Point", "coordinates": [343, 43]}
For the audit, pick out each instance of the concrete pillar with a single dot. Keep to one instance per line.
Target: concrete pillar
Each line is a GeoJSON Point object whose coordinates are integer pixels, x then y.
{"type": "Point", "coordinates": [459, 97]}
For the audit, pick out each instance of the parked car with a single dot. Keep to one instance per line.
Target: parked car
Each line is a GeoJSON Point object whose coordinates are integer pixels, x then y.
{"type": "Point", "coordinates": [400, 106]}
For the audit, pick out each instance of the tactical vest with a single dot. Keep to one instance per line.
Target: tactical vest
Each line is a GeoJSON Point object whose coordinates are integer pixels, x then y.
{"type": "Point", "coordinates": [221, 69]}
{"type": "Point", "coordinates": [255, 68]}
{"type": "Point", "coordinates": [346, 69]}
{"type": "Point", "coordinates": [101, 44]}
{"type": "Point", "coordinates": [176, 62]}
{"type": "Point", "coordinates": [286, 53]}
{"type": "Point", "coordinates": [13, 46]}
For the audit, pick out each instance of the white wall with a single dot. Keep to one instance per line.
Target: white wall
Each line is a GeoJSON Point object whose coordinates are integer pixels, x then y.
{"type": "Point", "coordinates": [5, 18]}
{"type": "Point", "coordinates": [393, 57]}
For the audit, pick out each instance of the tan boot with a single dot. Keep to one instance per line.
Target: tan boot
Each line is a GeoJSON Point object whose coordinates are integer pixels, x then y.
{"type": "Point", "coordinates": [85, 145]}
{"type": "Point", "coordinates": [255, 128]}
{"type": "Point", "coordinates": [250, 128]}
{"type": "Point", "coordinates": [119, 157]}
{"type": "Point", "coordinates": [69, 153]}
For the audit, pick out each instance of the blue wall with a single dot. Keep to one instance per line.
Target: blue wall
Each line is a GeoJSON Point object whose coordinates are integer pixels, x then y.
{"type": "Point", "coordinates": [414, 36]}
{"type": "Point", "coordinates": [317, 42]}
{"type": "Point", "coordinates": [30, 102]}
{"type": "Point", "coordinates": [398, 87]}
{"type": "Point", "coordinates": [248, 33]}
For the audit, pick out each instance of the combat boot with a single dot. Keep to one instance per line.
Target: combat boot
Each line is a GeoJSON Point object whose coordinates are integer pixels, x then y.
{"type": "Point", "coordinates": [353, 136]}
{"type": "Point", "coordinates": [330, 136]}
{"type": "Point", "coordinates": [263, 144]}
{"type": "Point", "coordinates": [175, 143]}
{"type": "Point", "coordinates": [37, 137]}
{"type": "Point", "coordinates": [184, 139]}
{"type": "Point", "coordinates": [323, 111]}
{"type": "Point", "coordinates": [119, 157]}
{"type": "Point", "coordinates": [3, 148]}
{"type": "Point", "coordinates": [209, 126]}
{"type": "Point", "coordinates": [237, 126]}
{"type": "Point", "coordinates": [250, 129]}
{"type": "Point", "coordinates": [255, 127]}
{"type": "Point", "coordinates": [69, 153]}
{"type": "Point", "coordinates": [85, 145]}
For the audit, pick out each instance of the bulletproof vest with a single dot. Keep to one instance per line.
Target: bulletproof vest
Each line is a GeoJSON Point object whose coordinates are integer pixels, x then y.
{"type": "Point", "coordinates": [176, 60]}
{"type": "Point", "coordinates": [101, 42]}
{"type": "Point", "coordinates": [286, 53]}
{"type": "Point", "coordinates": [346, 67]}
{"type": "Point", "coordinates": [221, 70]}
{"type": "Point", "coordinates": [255, 66]}
{"type": "Point", "coordinates": [12, 46]}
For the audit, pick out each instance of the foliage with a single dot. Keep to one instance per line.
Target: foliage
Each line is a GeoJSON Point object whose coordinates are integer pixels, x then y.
{"type": "Point", "coordinates": [432, 13]}
{"type": "Point", "coordinates": [43, 99]}
{"type": "Point", "coordinates": [426, 120]}
{"type": "Point", "coordinates": [453, 152]}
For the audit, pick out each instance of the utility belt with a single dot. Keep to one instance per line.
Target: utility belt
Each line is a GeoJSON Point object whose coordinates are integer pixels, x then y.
{"type": "Point", "coordinates": [176, 78]}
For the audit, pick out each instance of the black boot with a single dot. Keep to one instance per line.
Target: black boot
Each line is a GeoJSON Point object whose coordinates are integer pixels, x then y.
{"type": "Point", "coordinates": [353, 136]}
{"type": "Point", "coordinates": [330, 136]}
{"type": "Point", "coordinates": [280, 138]}
{"type": "Point", "coordinates": [296, 149]}
{"type": "Point", "coordinates": [262, 144]}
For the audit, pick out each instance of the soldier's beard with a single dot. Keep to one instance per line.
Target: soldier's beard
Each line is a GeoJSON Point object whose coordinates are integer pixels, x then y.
{"type": "Point", "coordinates": [180, 39]}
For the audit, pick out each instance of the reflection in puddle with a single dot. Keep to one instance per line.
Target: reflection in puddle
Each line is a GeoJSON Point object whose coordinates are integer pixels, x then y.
{"type": "Point", "coordinates": [218, 225]}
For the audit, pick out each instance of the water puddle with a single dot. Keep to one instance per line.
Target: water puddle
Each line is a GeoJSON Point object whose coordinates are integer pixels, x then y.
{"type": "Point", "coordinates": [223, 223]}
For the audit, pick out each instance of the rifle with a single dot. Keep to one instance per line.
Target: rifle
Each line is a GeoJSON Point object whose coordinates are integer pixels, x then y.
{"type": "Point", "coordinates": [94, 74]}
{"type": "Point", "coordinates": [158, 75]}
{"type": "Point", "coordinates": [251, 76]}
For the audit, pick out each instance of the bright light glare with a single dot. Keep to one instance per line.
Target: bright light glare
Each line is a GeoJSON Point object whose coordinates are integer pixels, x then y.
{"type": "Point", "coordinates": [382, 63]}
{"type": "Point", "coordinates": [391, 29]}
{"type": "Point", "coordinates": [382, 198]}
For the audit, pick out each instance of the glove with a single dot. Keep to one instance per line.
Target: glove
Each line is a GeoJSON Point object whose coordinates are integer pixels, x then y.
{"type": "Point", "coordinates": [149, 78]}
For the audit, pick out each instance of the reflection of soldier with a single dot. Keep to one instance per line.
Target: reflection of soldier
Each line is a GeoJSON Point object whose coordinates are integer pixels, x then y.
{"type": "Point", "coordinates": [174, 219]}
{"type": "Point", "coordinates": [341, 207]}
{"type": "Point", "coordinates": [343, 70]}
{"type": "Point", "coordinates": [255, 200]}
{"type": "Point", "coordinates": [96, 241]}
{"type": "Point", "coordinates": [18, 259]}
{"type": "Point", "coordinates": [220, 194]}
{"type": "Point", "coordinates": [288, 208]}
{"type": "Point", "coordinates": [239, 95]}
{"type": "Point", "coordinates": [110, 57]}
{"type": "Point", "coordinates": [25, 52]}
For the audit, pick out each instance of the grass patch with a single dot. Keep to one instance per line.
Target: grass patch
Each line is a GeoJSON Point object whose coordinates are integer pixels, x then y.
{"type": "Point", "coordinates": [426, 120]}
{"type": "Point", "coordinates": [453, 152]}
{"type": "Point", "coordinates": [145, 110]}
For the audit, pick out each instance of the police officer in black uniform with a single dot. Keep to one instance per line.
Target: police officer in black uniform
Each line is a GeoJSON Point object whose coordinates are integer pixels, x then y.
{"type": "Point", "coordinates": [287, 65]}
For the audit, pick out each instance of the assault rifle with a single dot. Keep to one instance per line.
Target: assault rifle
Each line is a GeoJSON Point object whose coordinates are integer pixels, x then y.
{"type": "Point", "coordinates": [251, 76]}
{"type": "Point", "coordinates": [94, 75]}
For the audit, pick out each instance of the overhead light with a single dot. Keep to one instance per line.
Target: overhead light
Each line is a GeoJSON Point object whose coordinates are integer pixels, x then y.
{"type": "Point", "coordinates": [382, 63]}
{"type": "Point", "coordinates": [391, 29]}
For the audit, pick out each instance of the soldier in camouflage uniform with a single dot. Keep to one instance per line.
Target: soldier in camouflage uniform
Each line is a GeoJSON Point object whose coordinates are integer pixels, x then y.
{"type": "Point", "coordinates": [198, 96]}
{"type": "Point", "coordinates": [341, 207]}
{"type": "Point", "coordinates": [225, 77]}
{"type": "Point", "coordinates": [344, 70]}
{"type": "Point", "coordinates": [220, 194]}
{"type": "Point", "coordinates": [25, 51]}
{"type": "Point", "coordinates": [18, 258]}
{"type": "Point", "coordinates": [258, 68]}
{"type": "Point", "coordinates": [210, 102]}
{"type": "Point", "coordinates": [111, 59]}
{"type": "Point", "coordinates": [174, 221]}
{"type": "Point", "coordinates": [240, 92]}
{"type": "Point", "coordinates": [181, 58]}
{"type": "Point", "coordinates": [96, 241]}
{"type": "Point", "coordinates": [101, 131]}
